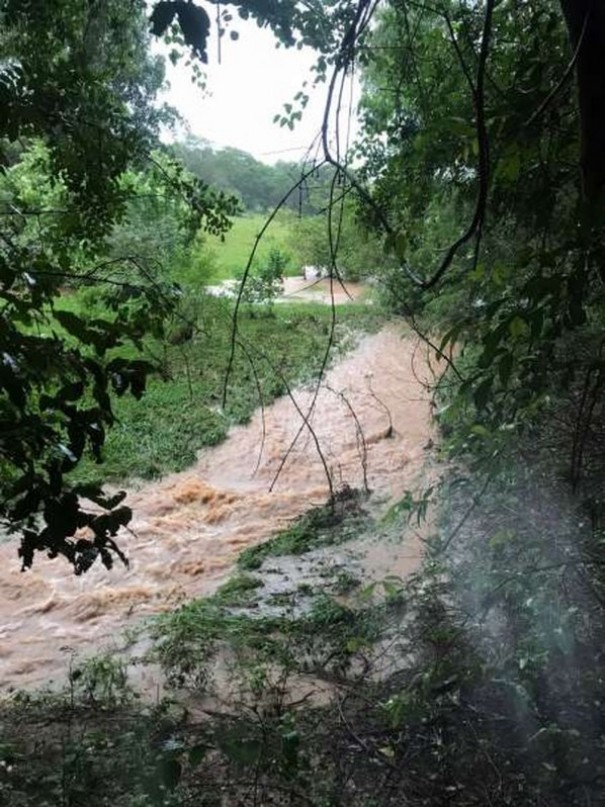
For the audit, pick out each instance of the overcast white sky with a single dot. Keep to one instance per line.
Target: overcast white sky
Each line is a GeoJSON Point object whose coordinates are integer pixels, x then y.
{"type": "Point", "coordinates": [244, 93]}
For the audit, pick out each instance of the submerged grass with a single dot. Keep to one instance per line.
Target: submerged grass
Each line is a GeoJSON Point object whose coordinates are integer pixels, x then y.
{"type": "Point", "coordinates": [260, 625]}
{"type": "Point", "coordinates": [325, 639]}
{"type": "Point", "coordinates": [318, 527]}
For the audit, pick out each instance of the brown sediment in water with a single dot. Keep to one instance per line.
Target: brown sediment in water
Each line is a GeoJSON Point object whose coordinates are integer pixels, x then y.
{"type": "Point", "coordinates": [323, 290]}
{"type": "Point", "coordinates": [300, 290]}
{"type": "Point", "coordinates": [189, 527]}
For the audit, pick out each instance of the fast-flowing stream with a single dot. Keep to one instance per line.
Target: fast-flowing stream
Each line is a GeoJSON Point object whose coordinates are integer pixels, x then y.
{"type": "Point", "coordinates": [189, 527]}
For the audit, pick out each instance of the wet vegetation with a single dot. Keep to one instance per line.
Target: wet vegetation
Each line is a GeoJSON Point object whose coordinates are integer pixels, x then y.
{"type": "Point", "coordinates": [476, 680]}
{"type": "Point", "coordinates": [490, 690]}
{"type": "Point", "coordinates": [318, 527]}
{"type": "Point", "coordinates": [479, 678]}
{"type": "Point", "coordinates": [280, 348]}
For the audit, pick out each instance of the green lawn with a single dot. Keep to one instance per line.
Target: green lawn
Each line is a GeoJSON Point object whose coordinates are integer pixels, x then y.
{"type": "Point", "coordinates": [229, 257]}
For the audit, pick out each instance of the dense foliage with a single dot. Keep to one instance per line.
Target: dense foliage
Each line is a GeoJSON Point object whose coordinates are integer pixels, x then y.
{"type": "Point", "coordinates": [472, 129]}
{"type": "Point", "coordinates": [78, 124]}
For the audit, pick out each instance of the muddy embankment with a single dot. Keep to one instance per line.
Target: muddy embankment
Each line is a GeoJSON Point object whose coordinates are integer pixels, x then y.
{"type": "Point", "coordinates": [189, 527]}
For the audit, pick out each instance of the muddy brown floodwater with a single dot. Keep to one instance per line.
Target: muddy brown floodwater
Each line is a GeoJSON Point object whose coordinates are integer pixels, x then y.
{"type": "Point", "coordinates": [189, 527]}
{"type": "Point", "coordinates": [298, 289]}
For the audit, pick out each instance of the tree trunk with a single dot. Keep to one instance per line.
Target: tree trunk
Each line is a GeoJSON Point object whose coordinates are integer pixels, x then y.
{"type": "Point", "coordinates": [586, 24]}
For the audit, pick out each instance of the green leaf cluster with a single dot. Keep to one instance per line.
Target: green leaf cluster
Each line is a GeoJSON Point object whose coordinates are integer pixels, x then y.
{"type": "Point", "coordinates": [78, 125]}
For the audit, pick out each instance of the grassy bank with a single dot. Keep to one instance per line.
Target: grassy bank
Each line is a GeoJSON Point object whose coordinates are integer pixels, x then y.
{"type": "Point", "coordinates": [182, 413]}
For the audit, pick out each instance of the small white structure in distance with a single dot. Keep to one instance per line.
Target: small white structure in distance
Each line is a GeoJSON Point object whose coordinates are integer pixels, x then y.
{"type": "Point", "coordinates": [313, 272]}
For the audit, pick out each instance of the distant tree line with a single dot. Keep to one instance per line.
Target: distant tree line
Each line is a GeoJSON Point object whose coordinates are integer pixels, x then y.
{"type": "Point", "coordinates": [258, 185]}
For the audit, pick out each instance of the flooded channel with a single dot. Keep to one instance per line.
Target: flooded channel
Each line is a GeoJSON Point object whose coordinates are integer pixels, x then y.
{"type": "Point", "coordinates": [371, 419]}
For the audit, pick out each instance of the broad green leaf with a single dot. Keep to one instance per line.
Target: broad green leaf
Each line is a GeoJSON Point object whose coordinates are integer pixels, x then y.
{"type": "Point", "coordinates": [517, 327]}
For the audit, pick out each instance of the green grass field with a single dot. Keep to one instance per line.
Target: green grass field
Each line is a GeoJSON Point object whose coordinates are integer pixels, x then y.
{"type": "Point", "coordinates": [229, 257]}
